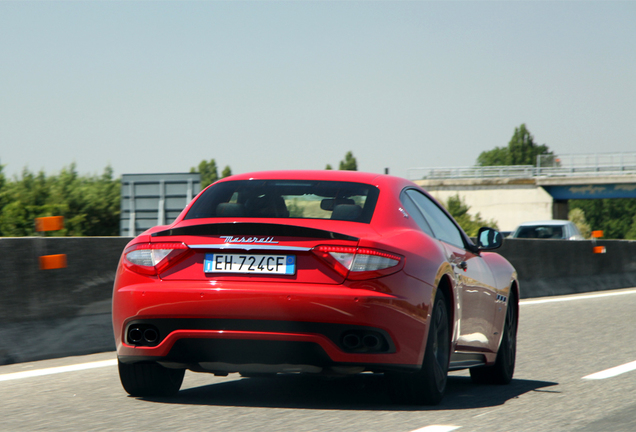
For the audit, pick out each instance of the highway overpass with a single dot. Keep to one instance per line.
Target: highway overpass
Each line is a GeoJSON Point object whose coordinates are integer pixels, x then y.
{"type": "Point", "coordinates": [519, 193]}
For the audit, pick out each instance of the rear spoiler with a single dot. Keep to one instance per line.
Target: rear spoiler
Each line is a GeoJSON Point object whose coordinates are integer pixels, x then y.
{"type": "Point", "coordinates": [252, 229]}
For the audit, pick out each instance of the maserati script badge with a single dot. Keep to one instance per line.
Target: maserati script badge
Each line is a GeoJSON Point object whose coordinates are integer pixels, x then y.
{"type": "Point", "coordinates": [232, 239]}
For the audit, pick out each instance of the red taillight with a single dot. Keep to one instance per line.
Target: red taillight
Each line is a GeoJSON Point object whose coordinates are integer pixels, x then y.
{"type": "Point", "coordinates": [359, 263]}
{"type": "Point", "coordinates": [153, 258]}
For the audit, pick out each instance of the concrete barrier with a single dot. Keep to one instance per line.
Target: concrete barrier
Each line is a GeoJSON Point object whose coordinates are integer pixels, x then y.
{"type": "Point", "coordinates": [558, 267]}
{"type": "Point", "coordinates": [62, 312]}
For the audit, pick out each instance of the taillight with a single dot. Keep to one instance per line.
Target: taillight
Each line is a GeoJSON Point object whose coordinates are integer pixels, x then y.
{"type": "Point", "coordinates": [153, 258]}
{"type": "Point", "coordinates": [360, 263]}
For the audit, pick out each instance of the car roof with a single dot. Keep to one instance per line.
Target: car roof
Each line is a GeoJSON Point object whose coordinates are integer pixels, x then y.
{"type": "Point", "coordinates": [546, 222]}
{"type": "Point", "coordinates": [306, 174]}
{"type": "Point", "coordinates": [382, 180]}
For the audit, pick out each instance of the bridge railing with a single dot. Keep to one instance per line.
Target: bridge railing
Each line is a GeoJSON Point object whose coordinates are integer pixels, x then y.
{"type": "Point", "coordinates": [594, 161]}
{"type": "Point", "coordinates": [547, 166]}
{"type": "Point", "coordinates": [522, 171]}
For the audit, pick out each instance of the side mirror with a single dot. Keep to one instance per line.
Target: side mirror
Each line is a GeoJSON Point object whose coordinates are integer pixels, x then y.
{"type": "Point", "coordinates": [489, 239]}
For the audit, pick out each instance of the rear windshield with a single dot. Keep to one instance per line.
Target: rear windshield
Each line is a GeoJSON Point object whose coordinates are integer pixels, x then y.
{"type": "Point", "coordinates": [287, 199]}
{"type": "Point", "coordinates": [540, 232]}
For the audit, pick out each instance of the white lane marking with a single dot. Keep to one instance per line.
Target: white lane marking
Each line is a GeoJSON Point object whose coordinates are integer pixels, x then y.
{"type": "Point", "coordinates": [575, 297]}
{"type": "Point", "coordinates": [612, 372]}
{"type": "Point", "coordinates": [57, 370]}
{"type": "Point", "coordinates": [437, 428]}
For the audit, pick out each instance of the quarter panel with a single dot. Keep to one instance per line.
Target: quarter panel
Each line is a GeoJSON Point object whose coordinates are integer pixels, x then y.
{"type": "Point", "coordinates": [505, 276]}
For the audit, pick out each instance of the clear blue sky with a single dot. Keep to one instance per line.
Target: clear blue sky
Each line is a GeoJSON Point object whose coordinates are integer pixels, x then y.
{"type": "Point", "coordinates": [159, 86]}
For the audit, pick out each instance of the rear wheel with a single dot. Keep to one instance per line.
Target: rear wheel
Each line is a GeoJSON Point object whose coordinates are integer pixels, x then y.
{"type": "Point", "coordinates": [427, 386]}
{"type": "Point", "coordinates": [503, 369]}
{"type": "Point", "coordinates": [150, 379]}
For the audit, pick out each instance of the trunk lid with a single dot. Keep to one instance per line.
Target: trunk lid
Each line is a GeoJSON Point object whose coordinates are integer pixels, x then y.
{"type": "Point", "coordinates": [257, 252]}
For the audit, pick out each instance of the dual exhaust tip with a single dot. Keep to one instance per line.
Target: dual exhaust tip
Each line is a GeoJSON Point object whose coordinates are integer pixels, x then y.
{"type": "Point", "coordinates": [352, 341]}
{"type": "Point", "coordinates": [363, 341]}
{"type": "Point", "coordinates": [147, 335]}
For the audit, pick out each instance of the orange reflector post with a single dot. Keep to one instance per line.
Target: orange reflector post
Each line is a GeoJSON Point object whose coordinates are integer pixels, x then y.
{"type": "Point", "coordinates": [599, 249]}
{"type": "Point", "coordinates": [49, 223]}
{"type": "Point", "coordinates": [597, 234]}
{"type": "Point", "coordinates": [50, 262]}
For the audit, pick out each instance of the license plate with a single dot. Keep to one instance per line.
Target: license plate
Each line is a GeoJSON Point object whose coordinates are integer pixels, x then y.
{"type": "Point", "coordinates": [247, 263]}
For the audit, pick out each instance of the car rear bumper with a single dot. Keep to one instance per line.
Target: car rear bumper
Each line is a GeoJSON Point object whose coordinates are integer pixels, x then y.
{"type": "Point", "coordinates": [204, 326]}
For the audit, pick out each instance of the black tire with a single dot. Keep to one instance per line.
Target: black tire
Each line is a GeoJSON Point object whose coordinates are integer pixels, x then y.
{"type": "Point", "coordinates": [150, 379]}
{"type": "Point", "coordinates": [504, 368]}
{"type": "Point", "coordinates": [427, 385]}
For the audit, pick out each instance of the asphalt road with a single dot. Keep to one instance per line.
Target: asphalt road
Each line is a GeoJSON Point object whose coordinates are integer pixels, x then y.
{"type": "Point", "coordinates": [562, 340]}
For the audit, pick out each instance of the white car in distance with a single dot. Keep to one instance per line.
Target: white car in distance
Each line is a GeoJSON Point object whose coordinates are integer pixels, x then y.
{"type": "Point", "coordinates": [548, 229]}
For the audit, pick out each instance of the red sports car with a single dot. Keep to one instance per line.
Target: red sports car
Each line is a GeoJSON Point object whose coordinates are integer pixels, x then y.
{"type": "Point", "coordinates": [334, 272]}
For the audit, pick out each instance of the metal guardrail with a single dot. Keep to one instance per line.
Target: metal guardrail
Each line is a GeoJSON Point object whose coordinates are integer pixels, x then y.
{"type": "Point", "coordinates": [593, 160]}
{"type": "Point", "coordinates": [601, 164]}
{"type": "Point", "coordinates": [521, 171]}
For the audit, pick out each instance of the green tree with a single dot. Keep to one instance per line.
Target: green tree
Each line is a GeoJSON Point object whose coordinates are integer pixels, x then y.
{"type": "Point", "coordinates": [25, 200]}
{"type": "Point", "coordinates": [93, 205]}
{"type": "Point", "coordinates": [349, 163]}
{"type": "Point", "coordinates": [328, 167]}
{"type": "Point", "coordinates": [209, 172]}
{"type": "Point", "coordinates": [521, 150]}
{"type": "Point", "coordinates": [577, 216]}
{"type": "Point", "coordinates": [631, 234]}
{"type": "Point", "coordinates": [227, 171]}
{"type": "Point", "coordinates": [470, 224]}
{"type": "Point", "coordinates": [615, 217]}
{"type": "Point", "coordinates": [90, 204]}
{"type": "Point", "coordinates": [3, 189]}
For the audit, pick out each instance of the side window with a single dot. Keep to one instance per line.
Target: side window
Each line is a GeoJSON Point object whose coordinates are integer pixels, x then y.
{"type": "Point", "coordinates": [443, 227]}
{"type": "Point", "coordinates": [415, 214]}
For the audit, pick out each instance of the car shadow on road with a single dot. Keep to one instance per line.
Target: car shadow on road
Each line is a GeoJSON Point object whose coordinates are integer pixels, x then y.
{"type": "Point", "coordinates": [358, 392]}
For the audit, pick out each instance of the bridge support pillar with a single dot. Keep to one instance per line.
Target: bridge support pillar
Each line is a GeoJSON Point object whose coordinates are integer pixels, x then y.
{"type": "Point", "coordinates": [560, 209]}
